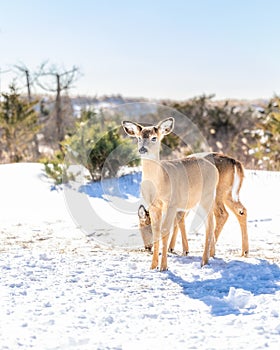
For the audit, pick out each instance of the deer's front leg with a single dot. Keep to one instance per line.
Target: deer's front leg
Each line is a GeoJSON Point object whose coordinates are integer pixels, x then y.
{"type": "Point", "coordinates": [166, 226]}
{"type": "Point", "coordinates": [155, 215]}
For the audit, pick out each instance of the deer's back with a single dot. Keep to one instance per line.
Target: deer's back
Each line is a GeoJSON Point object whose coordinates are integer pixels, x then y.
{"type": "Point", "coordinates": [187, 180]}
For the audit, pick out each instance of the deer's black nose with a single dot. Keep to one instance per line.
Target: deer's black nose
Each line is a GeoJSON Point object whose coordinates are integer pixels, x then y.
{"type": "Point", "coordinates": [143, 150]}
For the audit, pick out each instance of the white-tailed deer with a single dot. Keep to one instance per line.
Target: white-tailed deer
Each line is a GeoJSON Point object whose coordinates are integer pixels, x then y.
{"type": "Point", "coordinates": [231, 176]}
{"type": "Point", "coordinates": [169, 186]}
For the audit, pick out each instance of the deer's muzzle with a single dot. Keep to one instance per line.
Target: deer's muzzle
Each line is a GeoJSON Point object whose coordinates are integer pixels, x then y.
{"type": "Point", "coordinates": [143, 150]}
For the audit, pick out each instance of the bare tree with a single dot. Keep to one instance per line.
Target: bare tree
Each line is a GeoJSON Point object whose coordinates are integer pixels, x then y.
{"type": "Point", "coordinates": [29, 81]}
{"type": "Point", "coordinates": [57, 80]}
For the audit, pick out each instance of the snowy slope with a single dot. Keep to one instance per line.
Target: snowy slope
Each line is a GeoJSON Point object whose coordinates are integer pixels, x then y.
{"type": "Point", "coordinates": [64, 284]}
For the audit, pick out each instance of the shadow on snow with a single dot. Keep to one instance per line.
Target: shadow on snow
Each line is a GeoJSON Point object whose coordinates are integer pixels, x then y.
{"type": "Point", "coordinates": [259, 278]}
{"type": "Point", "coordinates": [124, 187]}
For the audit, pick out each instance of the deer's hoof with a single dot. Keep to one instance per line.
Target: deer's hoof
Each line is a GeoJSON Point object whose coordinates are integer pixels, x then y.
{"type": "Point", "coordinates": [204, 262]}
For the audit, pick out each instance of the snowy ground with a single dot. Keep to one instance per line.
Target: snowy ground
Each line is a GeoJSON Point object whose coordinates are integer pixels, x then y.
{"type": "Point", "coordinates": [61, 288]}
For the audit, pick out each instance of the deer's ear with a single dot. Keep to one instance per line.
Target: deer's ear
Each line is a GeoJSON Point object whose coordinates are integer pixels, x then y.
{"type": "Point", "coordinates": [131, 128]}
{"type": "Point", "coordinates": [142, 212]}
{"type": "Point", "coordinates": [166, 126]}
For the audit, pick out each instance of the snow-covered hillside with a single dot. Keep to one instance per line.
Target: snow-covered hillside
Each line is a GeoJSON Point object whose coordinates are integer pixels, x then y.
{"type": "Point", "coordinates": [69, 281]}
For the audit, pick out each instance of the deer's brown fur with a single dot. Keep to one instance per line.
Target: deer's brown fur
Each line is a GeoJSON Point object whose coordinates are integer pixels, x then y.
{"type": "Point", "coordinates": [172, 185]}
{"type": "Point", "coordinates": [231, 175]}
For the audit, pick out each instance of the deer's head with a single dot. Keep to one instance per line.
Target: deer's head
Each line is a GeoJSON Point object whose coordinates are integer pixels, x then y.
{"type": "Point", "coordinates": [149, 137]}
{"type": "Point", "coordinates": [145, 227]}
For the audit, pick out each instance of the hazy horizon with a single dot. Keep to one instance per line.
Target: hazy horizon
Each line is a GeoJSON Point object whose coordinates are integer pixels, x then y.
{"type": "Point", "coordinates": [148, 49]}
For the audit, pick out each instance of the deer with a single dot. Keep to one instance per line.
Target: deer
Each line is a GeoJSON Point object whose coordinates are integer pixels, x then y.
{"type": "Point", "coordinates": [231, 175]}
{"type": "Point", "coordinates": [174, 185]}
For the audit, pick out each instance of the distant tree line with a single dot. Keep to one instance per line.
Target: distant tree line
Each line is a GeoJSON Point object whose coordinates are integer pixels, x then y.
{"type": "Point", "coordinates": [248, 134]}
{"type": "Point", "coordinates": [44, 128]}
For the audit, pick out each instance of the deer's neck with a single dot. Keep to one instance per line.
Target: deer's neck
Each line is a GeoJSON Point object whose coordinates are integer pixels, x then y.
{"type": "Point", "coordinates": [150, 167]}
{"type": "Point", "coordinates": [151, 177]}
{"type": "Point", "coordinates": [154, 157]}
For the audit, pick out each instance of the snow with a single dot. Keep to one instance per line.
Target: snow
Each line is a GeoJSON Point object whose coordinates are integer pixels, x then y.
{"type": "Point", "coordinates": [72, 280]}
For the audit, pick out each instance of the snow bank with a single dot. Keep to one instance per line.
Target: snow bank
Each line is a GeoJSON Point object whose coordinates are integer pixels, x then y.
{"type": "Point", "coordinates": [61, 288]}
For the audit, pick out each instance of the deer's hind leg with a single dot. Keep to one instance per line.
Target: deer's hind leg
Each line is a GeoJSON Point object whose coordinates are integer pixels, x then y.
{"type": "Point", "coordinates": [182, 226]}
{"type": "Point", "coordinates": [179, 223]}
{"type": "Point", "coordinates": [207, 206]}
{"type": "Point", "coordinates": [209, 247]}
{"type": "Point", "coordinates": [174, 237]}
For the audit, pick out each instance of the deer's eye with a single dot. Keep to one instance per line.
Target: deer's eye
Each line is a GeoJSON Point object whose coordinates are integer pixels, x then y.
{"type": "Point", "coordinates": [154, 139]}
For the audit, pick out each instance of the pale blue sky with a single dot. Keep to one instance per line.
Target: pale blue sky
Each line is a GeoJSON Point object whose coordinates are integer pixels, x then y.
{"type": "Point", "coordinates": [150, 48]}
